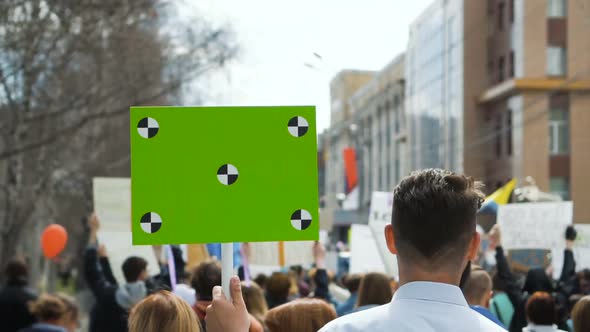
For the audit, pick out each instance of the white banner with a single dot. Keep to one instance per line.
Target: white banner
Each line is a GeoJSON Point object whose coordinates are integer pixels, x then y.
{"type": "Point", "coordinates": [364, 254]}
{"type": "Point", "coordinates": [112, 204]}
{"type": "Point", "coordinates": [534, 225]}
{"type": "Point", "coordinates": [379, 217]}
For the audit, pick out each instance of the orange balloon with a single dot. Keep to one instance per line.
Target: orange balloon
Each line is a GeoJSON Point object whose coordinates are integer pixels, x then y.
{"type": "Point", "coordinates": [53, 240]}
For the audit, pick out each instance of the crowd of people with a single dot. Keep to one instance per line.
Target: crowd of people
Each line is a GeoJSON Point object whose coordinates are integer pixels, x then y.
{"type": "Point", "coordinates": [440, 286]}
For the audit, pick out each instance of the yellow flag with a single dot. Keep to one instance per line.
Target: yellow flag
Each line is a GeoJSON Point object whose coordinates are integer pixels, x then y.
{"type": "Point", "coordinates": [502, 195]}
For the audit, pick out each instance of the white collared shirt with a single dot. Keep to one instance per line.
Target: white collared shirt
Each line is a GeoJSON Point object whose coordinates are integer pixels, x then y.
{"type": "Point", "coordinates": [418, 307]}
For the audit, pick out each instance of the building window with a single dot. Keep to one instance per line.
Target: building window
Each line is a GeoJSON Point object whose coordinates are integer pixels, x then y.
{"type": "Point", "coordinates": [509, 133]}
{"type": "Point", "coordinates": [491, 71]}
{"type": "Point", "coordinates": [501, 6]}
{"type": "Point", "coordinates": [556, 8]}
{"type": "Point", "coordinates": [556, 61]}
{"type": "Point", "coordinates": [511, 64]}
{"type": "Point", "coordinates": [511, 10]}
{"type": "Point", "coordinates": [501, 69]}
{"type": "Point", "coordinates": [559, 132]}
{"type": "Point", "coordinates": [560, 185]}
{"type": "Point", "coordinates": [498, 136]}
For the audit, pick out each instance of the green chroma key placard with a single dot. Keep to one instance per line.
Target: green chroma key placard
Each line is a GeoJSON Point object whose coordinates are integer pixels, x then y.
{"type": "Point", "coordinates": [223, 174]}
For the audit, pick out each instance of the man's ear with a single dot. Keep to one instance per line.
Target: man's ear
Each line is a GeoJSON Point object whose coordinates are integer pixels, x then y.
{"type": "Point", "coordinates": [474, 246]}
{"type": "Point", "coordinates": [488, 299]}
{"type": "Point", "coordinates": [390, 239]}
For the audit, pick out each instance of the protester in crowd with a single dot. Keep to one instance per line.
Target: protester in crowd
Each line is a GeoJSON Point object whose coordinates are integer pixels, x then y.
{"type": "Point", "coordinates": [478, 293]}
{"type": "Point", "coordinates": [541, 313]}
{"type": "Point", "coordinates": [433, 234]}
{"type": "Point", "coordinates": [254, 299]}
{"type": "Point", "coordinates": [352, 283]}
{"type": "Point", "coordinates": [205, 276]}
{"type": "Point", "coordinates": [163, 311]}
{"type": "Point", "coordinates": [374, 290]}
{"type": "Point", "coordinates": [277, 289]}
{"type": "Point", "coordinates": [298, 273]}
{"type": "Point", "coordinates": [536, 280]}
{"type": "Point", "coordinates": [54, 314]}
{"type": "Point", "coordinates": [260, 280]}
{"type": "Point", "coordinates": [303, 315]}
{"type": "Point", "coordinates": [581, 315]}
{"type": "Point", "coordinates": [500, 304]}
{"type": "Point", "coordinates": [319, 275]}
{"type": "Point", "coordinates": [113, 302]}
{"type": "Point", "coordinates": [15, 296]}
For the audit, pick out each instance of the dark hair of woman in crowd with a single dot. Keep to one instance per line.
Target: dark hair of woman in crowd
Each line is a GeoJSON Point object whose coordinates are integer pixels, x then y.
{"type": "Point", "coordinates": [540, 309]}
{"type": "Point", "coordinates": [374, 290]}
{"type": "Point", "coordinates": [57, 310]}
{"type": "Point", "coordinates": [304, 315]}
{"type": "Point", "coordinates": [163, 311]}
{"type": "Point", "coordinates": [255, 301]}
{"type": "Point", "coordinates": [277, 289]}
{"type": "Point", "coordinates": [581, 315]}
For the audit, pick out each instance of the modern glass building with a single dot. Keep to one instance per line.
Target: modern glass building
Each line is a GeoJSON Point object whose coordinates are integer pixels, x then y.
{"type": "Point", "coordinates": [434, 87]}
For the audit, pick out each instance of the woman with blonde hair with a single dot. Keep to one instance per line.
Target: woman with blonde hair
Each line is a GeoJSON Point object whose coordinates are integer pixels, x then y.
{"type": "Point", "coordinates": [255, 301]}
{"type": "Point", "coordinates": [581, 315]}
{"type": "Point", "coordinates": [55, 313]}
{"type": "Point", "coordinates": [304, 315]}
{"type": "Point", "coordinates": [163, 311]}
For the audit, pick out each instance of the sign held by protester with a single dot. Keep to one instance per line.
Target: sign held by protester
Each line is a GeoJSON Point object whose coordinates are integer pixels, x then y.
{"type": "Point", "coordinates": [223, 174]}
{"type": "Point", "coordinates": [112, 205]}
{"type": "Point", "coordinates": [364, 253]}
{"type": "Point", "coordinates": [534, 225]}
{"type": "Point", "coordinates": [379, 216]}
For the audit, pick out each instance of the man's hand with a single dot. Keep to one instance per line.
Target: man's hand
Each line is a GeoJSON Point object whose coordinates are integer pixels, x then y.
{"type": "Point", "coordinates": [93, 222]}
{"type": "Point", "coordinates": [319, 255]}
{"type": "Point", "coordinates": [228, 316]}
{"type": "Point", "coordinates": [495, 236]}
{"type": "Point", "coordinates": [570, 237]}
{"type": "Point", "coordinates": [247, 249]}
{"type": "Point", "coordinates": [158, 250]}
{"type": "Point", "coordinates": [102, 251]}
{"type": "Point", "coordinates": [93, 225]}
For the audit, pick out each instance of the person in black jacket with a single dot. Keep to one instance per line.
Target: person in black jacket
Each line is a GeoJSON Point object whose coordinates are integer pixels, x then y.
{"type": "Point", "coordinates": [536, 280]}
{"type": "Point", "coordinates": [15, 297]}
{"type": "Point", "coordinates": [113, 302]}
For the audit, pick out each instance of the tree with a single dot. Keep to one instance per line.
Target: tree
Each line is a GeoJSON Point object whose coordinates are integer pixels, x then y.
{"type": "Point", "coordinates": [69, 71]}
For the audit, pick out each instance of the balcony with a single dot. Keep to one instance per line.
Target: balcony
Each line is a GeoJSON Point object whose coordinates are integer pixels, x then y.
{"type": "Point", "coordinates": [515, 86]}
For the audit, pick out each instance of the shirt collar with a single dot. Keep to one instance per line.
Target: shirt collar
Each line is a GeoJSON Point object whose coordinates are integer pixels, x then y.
{"type": "Point", "coordinates": [540, 328]}
{"type": "Point", "coordinates": [49, 327]}
{"type": "Point", "coordinates": [431, 291]}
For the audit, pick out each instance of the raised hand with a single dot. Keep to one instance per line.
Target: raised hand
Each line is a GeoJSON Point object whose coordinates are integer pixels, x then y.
{"type": "Point", "coordinates": [228, 316]}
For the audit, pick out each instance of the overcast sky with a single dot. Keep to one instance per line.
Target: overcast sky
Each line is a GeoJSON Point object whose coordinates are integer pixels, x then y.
{"type": "Point", "coordinates": [278, 36]}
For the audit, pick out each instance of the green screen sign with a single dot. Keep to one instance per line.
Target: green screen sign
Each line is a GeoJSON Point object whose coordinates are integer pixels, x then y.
{"type": "Point", "coordinates": [223, 174]}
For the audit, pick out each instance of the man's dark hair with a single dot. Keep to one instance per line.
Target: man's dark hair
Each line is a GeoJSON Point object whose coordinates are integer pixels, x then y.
{"type": "Point", "coordinates": [540, 309]}
{"type": "Point", "coordinates": [434, 216]}
{"type": "Point", "coordinates": [206, 276]}
{"type": "Point", "coordinates": [133, 267]}
{"type": "Point", "coordinates": [16, 271]}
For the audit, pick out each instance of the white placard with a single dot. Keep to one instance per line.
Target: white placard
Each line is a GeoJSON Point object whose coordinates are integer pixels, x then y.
{"type": "Point", "coordinates": [267, 253]}
{"type": "Point", "coordinates": [112, 204]}
{"type": "Point", "coordinates": [381, 207]}
{"type": "Point", "coordinates": [379, 217]}
{"type": "Point", "coordinates": [581, 251]}
{"type": "Point", "coordinates": [364, 254]}
{"type": "Point", "coordinates": [534, 225]}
